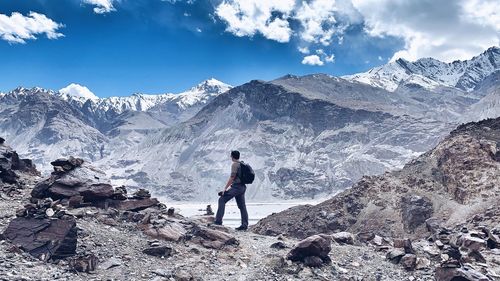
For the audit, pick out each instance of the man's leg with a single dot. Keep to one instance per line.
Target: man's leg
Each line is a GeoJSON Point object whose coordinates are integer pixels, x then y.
{"type": "Point", "coordinates": [240, 201]}
{"type": "Point", "coordinates": [228, 195]}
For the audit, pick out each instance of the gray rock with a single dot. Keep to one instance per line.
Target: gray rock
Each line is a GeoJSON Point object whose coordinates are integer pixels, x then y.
{"type": "Point", "coordinates": [395, 255]}
{"type": "Point", "coordinates": [463, 273]}
{"type": "Point", "coordinates": [343, 237]}
{"type": "Point", "coordinates": [313, 246]}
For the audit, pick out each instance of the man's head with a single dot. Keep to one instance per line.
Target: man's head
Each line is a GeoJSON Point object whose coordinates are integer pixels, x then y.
{"type": "Point", "coordinates": [235, 154]}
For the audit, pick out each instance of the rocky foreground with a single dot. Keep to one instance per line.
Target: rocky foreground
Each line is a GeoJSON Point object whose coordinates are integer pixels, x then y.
{"type": "Point", "coordinates": [74, 225]}
{"type": "Point", "coordinates": [441, 211]}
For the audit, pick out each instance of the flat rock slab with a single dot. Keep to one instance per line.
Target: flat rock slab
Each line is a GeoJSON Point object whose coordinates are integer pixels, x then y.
{"type": "Point", "coordinates": [212, 238]}
{"type": "Point", "coordinates": [134, 204]}
{"type": "Point", "coordinates": [44, 238]}
{"type": "Point", "coordinates": [161, 251]}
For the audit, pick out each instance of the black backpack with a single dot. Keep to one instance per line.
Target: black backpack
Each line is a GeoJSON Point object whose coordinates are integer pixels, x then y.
{"type": "Point", "coordinates": [247, 175]}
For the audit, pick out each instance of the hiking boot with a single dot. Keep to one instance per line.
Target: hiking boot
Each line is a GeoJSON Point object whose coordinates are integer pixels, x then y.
{"type": "Point", "coordinates": [242, 228]}
{"type": "Point", "coordinates": [216, 223]}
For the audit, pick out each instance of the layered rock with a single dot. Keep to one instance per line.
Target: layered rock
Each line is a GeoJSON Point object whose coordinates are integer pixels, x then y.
{"type": "Point", "coordinates": [43, 230]}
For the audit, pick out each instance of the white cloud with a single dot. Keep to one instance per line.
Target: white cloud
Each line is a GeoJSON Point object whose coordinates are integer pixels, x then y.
{"type": "Point", "coordinates": [17, 28]}
{"type": "Point", "coordinates": [102, 6]}
{"type": "Point", "coordinates": [249, 17]}
{"type": "Point", "coordinates": [312, 60]}
{"type": "Point", "coordinates": [304, 50]}
{"type": "Point", "coordinates": [330, 58]}
{"type": "Point", "coordinates": [317, 20]}
{"type": "Point", "coordinates": [442, 29]}
{"type": "Point", "coordinates": [446, 30]}
{"type": "Point", "coordinates": [78, 91]}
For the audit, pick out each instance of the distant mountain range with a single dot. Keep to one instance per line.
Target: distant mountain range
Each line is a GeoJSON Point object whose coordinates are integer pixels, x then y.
{"type": "Point", "coordinates": [306, 137]}
{"type": "Point", "coordinates": [430, 73]}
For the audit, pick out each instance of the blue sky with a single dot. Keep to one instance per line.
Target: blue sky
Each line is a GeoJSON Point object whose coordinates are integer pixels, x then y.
{"type": "Point", "coordinates": [119, 47]}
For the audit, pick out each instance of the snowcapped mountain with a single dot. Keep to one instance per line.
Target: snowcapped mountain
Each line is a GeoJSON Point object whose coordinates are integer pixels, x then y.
{"type": "Point", "coordinates": [306, 137]}
{"type": "Point", "coordinates": [430, 73]}
{"type": "Point", "coordinates": [77, 92]}
{"type": "Point", "coordinates": [48, 124]}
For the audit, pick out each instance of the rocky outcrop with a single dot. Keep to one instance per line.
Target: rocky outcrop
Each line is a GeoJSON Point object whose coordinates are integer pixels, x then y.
{"type": "Point", "coordinates": [73, 178]}
{"type": "Point", "coordinates": [455, 180]}
{"type": "Point", "coordinates": [13, 169]}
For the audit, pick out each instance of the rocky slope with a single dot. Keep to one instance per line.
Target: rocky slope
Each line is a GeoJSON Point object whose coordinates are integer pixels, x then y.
{"type": "Point", "coordinates": [100, 232]}
{"type": "Point", "coordinates": [456, 180]}
{"type": "Point", "coordinates": [440, 210]}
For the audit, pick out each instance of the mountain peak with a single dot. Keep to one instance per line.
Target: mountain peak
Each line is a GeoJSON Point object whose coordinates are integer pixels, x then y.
{"type": "Point", "coordinates": [210, 86]}
{"type": "Point", "coordinates": [26, 91]}
{"type": "Point", "coordinates": [78, 92]}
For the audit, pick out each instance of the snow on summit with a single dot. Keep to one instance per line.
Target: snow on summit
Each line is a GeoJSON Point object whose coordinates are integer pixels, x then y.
{"type": "Point", "coordinates": [77, 91]}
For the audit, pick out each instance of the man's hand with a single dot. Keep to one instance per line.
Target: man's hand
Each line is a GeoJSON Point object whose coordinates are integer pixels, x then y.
{"type": "Point", "coordinates": [221, 192]}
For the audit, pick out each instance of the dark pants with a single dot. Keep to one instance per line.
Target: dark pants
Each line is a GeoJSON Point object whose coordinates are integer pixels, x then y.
{"type": "Point", "coordinates": [238, 192]}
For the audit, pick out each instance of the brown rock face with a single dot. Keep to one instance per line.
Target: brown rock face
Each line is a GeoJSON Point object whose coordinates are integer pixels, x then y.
{"type": "Point", "coordinates": [44, 238]}
{"type": "Point", "coordinates": [318, 246]}
{"type": "Point", "coordinates": [415, 211]}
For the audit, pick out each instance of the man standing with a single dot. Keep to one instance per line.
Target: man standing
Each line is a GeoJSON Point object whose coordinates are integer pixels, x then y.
{"type": "Point", "coordinates": [237, 190]}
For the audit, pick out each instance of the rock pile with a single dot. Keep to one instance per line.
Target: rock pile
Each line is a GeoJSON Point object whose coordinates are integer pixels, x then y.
{"type": "Point", "coordinates": [77, 184]}
{"type": "Point", "coordinates": [46, 227]}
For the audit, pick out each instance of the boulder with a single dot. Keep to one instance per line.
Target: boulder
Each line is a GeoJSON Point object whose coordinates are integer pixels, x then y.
{"type": "Point", "coordinates": [212, 238]}
{"type": "Point", "coordinates": [314, 246]}
{"type": "Point", "coordinates": [278, 245]}
{"type": "Point", "coordinates": [141, 194]}
{"type": "Point", "coordinates": [67, 164]}
{"type": "Point", "coordinates": [159, 251]}
{"type": "Point", "coordinates": [343, 237]}
{"type": "Point", "coordinates": [395, 255]}
{"type": "Point", "coordinates": [473, 243]}
{"type": "Point", "coordinates": [461, 273]}
{"type": "Point", "coordinates": [85, 263]}
{"type": "Point", "coordinates": [415, 210]}
{"type": "Point", "coordinates": [170, 232]}
{"type": "Point", "coordinates": [365, 236]}
{"type": "Point", "coordinates": [44, 238]}
{"type": "Point", "coordinates": [409, 261]}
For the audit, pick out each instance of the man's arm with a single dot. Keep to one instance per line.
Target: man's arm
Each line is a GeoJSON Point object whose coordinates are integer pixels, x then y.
{"type": "Point", "coordinates": [234, 171]}
{"type": "Point", "coordinates": [229, 182]}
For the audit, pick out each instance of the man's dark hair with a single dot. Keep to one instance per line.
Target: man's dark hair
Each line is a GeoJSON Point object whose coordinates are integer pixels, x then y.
{"type": "Point", "coordinates": [235, 154]}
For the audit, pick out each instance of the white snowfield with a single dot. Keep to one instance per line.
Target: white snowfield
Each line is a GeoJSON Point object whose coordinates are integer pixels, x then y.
{"type": "Point", "coordinates": [306, 137]}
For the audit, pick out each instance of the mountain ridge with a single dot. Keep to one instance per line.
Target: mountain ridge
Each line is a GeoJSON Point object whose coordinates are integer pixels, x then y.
{"type": "Point", "coordinates": [464, 75]}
